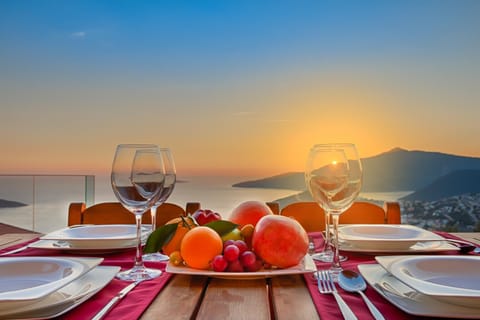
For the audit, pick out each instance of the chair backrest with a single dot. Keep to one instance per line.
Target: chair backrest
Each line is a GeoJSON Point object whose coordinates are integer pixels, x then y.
{"type": "Point", "coordinates": [312, 217]}
{"type": "Point", "coordinates": [114, 212]}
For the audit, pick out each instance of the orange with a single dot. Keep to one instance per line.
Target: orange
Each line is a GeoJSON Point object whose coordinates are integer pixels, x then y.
{"type": "Point", "coordinates": [184, 225]}
{"type": "Point", "coordinates": [199, 246]}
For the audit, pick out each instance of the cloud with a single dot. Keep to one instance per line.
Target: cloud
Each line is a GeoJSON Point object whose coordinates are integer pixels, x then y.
{"type": "Point", "coordinates": [78, 35]}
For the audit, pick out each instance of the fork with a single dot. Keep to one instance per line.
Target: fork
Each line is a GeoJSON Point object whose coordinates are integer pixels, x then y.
{"type": "Point", "coordinates": [326, 285]}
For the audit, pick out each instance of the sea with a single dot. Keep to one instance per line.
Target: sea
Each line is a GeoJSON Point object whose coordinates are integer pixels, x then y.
{"type": "Point", "coordinates": [47, 197]}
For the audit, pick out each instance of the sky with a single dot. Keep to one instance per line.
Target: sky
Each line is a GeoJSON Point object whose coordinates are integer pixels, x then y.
{"type": "Point", "coordinates": [234, 87]}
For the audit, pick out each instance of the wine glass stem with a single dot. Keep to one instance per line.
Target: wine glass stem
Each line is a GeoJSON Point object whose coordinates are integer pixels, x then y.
{"type": "Point", "coordinates": [336, 255]}
{"type": "Point", "coordinates": [138, 256]}
{"type": "Point", "coordinates": [153, 212]}
{"type": "Point", "coordinates": [328, 238]}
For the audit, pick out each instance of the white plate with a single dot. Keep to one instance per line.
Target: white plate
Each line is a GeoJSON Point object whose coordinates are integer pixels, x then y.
{"type": "Point", "coordinates": [453, 279]}
{"type": "Point", "coordinates": [28, 278]}
{"type": "Point", "coordinates": [67, 247]}
{"type": "Point", "coordinates": [67, 297]}
{"type": "Point", "coordinates": [384, 236]}
{"type": "Point", "coordinates": [409, 300]}
{"type": "Point", "coordinates": [305, 266]}
{"type": "Point", "coordinates": [108, 236]}
{"type": "Point", "coordinates": [419, 247]}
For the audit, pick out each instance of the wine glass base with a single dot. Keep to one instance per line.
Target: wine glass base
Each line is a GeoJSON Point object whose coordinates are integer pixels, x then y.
{"type": "Point", "coordinates": [327, 257]}
{"type": "Point", "coordinates": [157, 256]}
{"type": "Point", "coordinates": [138, 274]}
{"type": "Point", "coordinates": [334, 272]}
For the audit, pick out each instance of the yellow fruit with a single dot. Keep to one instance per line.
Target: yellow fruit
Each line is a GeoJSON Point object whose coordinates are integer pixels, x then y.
{"type": "Point", "coordinates": [176, 258]}
{"type": "Point", "coordinates": [247, 230]}
{"type": "Point", "coordinates": [235, 234]}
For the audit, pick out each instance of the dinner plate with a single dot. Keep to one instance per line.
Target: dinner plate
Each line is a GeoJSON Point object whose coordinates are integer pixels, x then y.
{"type": "Point", "coordinates": [384, 236]}
{"type": "Point", "coordinates": [408, 299]}
{"type": "Point", "coordinates": [419, 247]}
{"type": "Point", "coordinates": [305, 266]}
{"type": "Point", "coordinates": [108, 236]}
{"type": "Point", "coordinates": [66, 298]}
{"type": "Point", "coordinates": [452, 279]}
{"type": "Point", "coordinates": [28, 278]}
{"type": "Point", "coordinates": [67, 247]}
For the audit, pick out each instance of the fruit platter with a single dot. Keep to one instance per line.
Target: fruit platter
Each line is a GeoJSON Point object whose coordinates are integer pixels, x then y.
{"type": "Point", "coordinates": [307, 265]}
{"type": "Point", "coordinates": [253, 243]}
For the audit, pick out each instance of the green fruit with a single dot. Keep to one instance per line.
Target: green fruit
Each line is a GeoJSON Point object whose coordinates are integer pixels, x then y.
{"type": "Point", "coordinates": [235, 234]}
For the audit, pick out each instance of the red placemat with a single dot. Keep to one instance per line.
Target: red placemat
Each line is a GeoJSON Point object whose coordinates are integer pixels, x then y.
{"type": "Point", "coordinates": [132, 305]}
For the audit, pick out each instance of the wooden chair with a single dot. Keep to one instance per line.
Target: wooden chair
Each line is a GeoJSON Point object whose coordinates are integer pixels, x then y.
{"type": "Point", "coordinates": [114, 212]}
{"type": "Point", "coordinates": [311, 216]}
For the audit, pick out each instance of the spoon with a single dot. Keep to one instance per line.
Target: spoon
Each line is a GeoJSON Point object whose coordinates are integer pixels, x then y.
{"type": "Point", "coordinates": [353, 282]}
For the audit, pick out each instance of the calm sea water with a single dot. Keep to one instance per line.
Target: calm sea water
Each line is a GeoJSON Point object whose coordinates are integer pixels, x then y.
{"type": "Point", "coordinates": [52, 196]}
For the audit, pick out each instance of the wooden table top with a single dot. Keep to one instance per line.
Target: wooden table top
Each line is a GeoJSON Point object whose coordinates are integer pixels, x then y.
{"type": "Point", "coordinates": [198, 297]}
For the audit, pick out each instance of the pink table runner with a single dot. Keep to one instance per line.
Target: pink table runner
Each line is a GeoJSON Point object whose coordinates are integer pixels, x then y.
{"type": "Point", "coordinates": [131, 307]}
{"type": "Point", "coordinates": [324, 302]}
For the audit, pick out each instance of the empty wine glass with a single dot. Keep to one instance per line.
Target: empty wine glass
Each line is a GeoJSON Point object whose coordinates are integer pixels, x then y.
{"type": "Point", "coordinates": [168, 185]}
{"type": "Point", "coordinates": [334, 178]}
{"type": "Point", "coordinates": [317, 163]}
{"type": "Point", "coordinates": [137, 179]}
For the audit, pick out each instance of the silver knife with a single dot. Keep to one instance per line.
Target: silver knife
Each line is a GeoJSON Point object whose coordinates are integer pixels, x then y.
{"type": "Point", "coordinates": [115, 300]}
{"type": "Point", "coordinates": [18, 249]}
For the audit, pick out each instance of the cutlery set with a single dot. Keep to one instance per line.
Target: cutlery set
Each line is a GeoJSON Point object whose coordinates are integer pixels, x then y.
{"type": "Point", "coordinates": [326, 285]}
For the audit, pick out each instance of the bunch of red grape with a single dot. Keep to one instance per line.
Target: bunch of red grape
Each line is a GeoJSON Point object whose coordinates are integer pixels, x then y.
{"type": "Point", "coordinates": [236, 257]}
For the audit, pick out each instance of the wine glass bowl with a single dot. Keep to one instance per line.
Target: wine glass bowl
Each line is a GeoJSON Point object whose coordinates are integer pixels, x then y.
{"type": "Point", "coordinates": [137, 179]}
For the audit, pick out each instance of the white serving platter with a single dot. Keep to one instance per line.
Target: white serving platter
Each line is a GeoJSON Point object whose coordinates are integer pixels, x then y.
{"type": "Point", "coordinates": [452, 279]}
{"type": "Point", "coordinates": [66, 298]}
{"type": "Point", "coordinates": [108, 236]}
{"type": "Point", "coordinates": [408, 299]}
{"type": "Point", "coordinates": [305, 266]}
{"type": "Point", "coordinates": [384, 236]}
{"type": "Point", "coordinates": [28, 278]}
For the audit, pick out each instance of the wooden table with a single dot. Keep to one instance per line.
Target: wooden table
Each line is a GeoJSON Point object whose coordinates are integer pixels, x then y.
{"type": "Point", "coordinates": [196, 297]}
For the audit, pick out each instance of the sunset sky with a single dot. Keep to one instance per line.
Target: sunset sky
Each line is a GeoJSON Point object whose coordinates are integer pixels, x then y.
{"type": "Point", "coordinates": [238, 87]}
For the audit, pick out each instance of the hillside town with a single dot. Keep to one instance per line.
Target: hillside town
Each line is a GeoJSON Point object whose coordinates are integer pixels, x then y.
{"type": "Point", "coordinates": [453, 214]}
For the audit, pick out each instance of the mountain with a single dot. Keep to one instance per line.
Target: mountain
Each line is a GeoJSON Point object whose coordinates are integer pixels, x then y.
{"type": "Point", "coordinates": [403, 170]}
{"type": "Point", "coordinates": [290, 180]}
{"type": "Point", "coordinates": [453, 184]}
{"type": "Point", "coordinates": [10, 204]}
{"type": "Point", "coordinates": [395, 170]}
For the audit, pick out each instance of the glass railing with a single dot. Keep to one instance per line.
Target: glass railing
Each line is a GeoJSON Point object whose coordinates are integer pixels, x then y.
{"type": "Point", "coordinates": [40, 202]}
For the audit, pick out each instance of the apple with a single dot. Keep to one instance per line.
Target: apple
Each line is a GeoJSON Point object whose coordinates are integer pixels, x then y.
{"type": "Point", "coordinates": [249, 212]}
{"type": "Point", "coordinates": [204, 216]}
{"type": "Point", "coordinates": [280, 241]}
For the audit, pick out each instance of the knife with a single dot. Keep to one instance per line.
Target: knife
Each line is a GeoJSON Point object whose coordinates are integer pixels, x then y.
{"type": "Point", "coordinates": [113, 302]}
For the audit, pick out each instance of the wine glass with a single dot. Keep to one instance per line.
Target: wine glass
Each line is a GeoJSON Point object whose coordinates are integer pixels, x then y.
{"type": "Point", "coordinates": [169, 184]}
{"type": "Point", "coordinates": [334, 178]}
{"type": "Point", "coordinates": [315, 164]}
{"type": "Point", "coordinates": [137, 179]}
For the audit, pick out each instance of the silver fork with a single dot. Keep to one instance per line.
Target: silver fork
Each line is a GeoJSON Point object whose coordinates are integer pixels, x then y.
{"type": "Point", "coordinates": [326, 285]}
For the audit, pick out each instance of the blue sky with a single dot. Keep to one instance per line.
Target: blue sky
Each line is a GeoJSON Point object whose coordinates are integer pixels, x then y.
{"type": "Point", "coordinates": [234, 87]}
